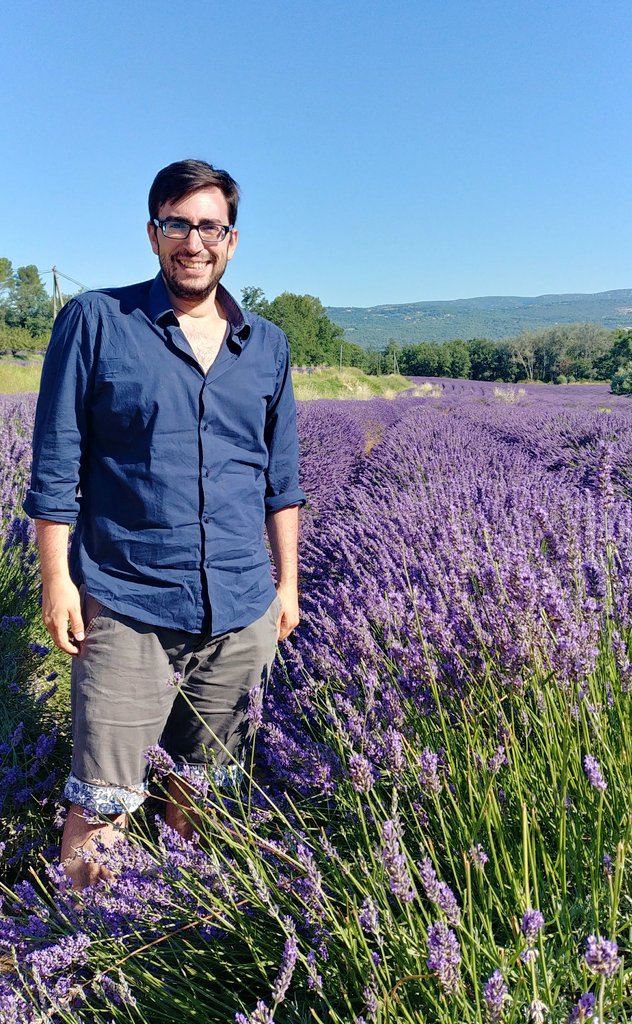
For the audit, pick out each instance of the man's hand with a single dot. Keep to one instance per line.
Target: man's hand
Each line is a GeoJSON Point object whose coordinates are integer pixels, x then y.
{"type": "Point", "coordinates": [61, 607]}
{"type": "Point", "coordinates": [289, 616]}
{"type": "Point", "coordinates": [61, 604]}
{"type": "Point", "coordinates": [282, 527]}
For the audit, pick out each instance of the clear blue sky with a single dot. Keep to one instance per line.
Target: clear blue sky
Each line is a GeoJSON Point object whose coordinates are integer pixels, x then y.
{"type": "Point", "coordinates": [387, 151]}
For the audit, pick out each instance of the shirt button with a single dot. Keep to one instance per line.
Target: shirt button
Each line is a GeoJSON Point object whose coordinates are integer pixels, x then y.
{"type": "Point", "coordinates": [205, 472]}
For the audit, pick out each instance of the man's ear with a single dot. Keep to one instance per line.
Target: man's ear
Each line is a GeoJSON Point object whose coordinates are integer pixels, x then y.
{"type": "Point", "coordinates": [232, 245]}
{"type": "Point", "coordinates": [152, 234]}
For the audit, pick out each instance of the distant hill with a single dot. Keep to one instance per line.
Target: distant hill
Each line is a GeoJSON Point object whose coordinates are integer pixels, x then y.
{"type": "Point", "coordinates": [491, 317]}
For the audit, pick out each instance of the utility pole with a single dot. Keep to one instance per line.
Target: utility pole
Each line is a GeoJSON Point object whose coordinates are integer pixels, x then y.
{"type": "Point", "coordinates": [58, 300]}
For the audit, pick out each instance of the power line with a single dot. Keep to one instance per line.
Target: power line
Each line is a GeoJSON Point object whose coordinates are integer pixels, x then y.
{"type": "Point", "coordinates": [58, 298]}
{"type": "Point", "coordinates": [54, 270]}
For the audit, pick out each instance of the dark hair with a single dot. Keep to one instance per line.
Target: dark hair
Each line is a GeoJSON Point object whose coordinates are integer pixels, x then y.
{"type": "Point", "coordinates": [184, 177]}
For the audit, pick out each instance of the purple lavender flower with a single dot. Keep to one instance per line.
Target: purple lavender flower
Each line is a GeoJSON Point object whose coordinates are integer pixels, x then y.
{"type": "Point", "coordinates": [314, 979]}
{"type": "Point", "coordinates": [532, 923]}
{"type": "Point", "coordinates": [438, 892]}
{"type": "Point", "coordinates": [444, 956]}
{"type": "Point", "coordinates": [255, 707]}
{"type": "Point", "coordinates": [59, 956]}
{"type": "Point", "coordinates": [159, 760]}
{"type": "Point", "coordinates": [602, 956]}
{"type": "Point", "coordinates": [370, 1001]}
{"type": "Point", "coordinates": [497, 760]}
{"type": "Point", "coordinates": [583, 1010]}
{"type": "Point", "coordinates": [478, 857]}
{"type": "Point", "coordinates": [428, 774]}
{"type": "Point", "coordinates": [594, 774]}
{"type": "Point", "coordinates": [362, 773]}
{"type": "Point", "coordinates": [261, 1015]}
{"type": "Point", "coordinates": [39, 649]}
{"type": "Point", "coordinates": [119, 991]}
{"type": "Point", "coordinates": [369, 917]}
{"type": "Point", "coordinates": [394, 863]}
{"type": "Point", "coordinates": [17, 734]}
{"type": "Point", "coordinates": [394, 751]}
{"type": "Point", "coordinates": [286, 970]}
{"type": "Point", "coordinates": [496, 995]}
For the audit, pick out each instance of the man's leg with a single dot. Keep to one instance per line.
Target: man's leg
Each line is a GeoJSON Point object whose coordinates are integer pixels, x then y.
{"type": "Point", "coordinates": [85, 836]}
{"type": "Point", "coordinates": [181, 813]}
{"type": "Point", "coordinates": [121, 699]}
{"type": "Point", "coordinates": [210, 713]}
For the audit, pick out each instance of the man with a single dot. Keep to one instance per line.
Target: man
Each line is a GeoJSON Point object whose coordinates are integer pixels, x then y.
{"type": "Point", "coordinates": [166, 433]}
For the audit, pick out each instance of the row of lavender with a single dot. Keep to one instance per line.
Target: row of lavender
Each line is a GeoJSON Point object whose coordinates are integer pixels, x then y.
{"type": "Point", "coordinates": [450, 722]}
{"type": "Point", "coordinates": [494, 523]}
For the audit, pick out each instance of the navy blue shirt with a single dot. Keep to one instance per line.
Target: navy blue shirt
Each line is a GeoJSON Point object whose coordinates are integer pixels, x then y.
{"type": "Point", "coordinates": [167, 472]}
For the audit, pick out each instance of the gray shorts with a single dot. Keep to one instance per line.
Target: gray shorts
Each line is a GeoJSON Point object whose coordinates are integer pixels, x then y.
{"type": "Point", "coordinates": [135, 685]}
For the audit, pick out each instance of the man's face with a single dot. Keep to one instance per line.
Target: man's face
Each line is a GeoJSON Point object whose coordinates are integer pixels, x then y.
{"type": "Point", "coordinates": [193, 268]}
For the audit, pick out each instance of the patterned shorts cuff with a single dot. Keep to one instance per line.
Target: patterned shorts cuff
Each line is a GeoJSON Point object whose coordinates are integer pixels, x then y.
{"type": "Point", "coordinates": [103, 799]}
{"type": "Point", "coordinates": [223, 775]}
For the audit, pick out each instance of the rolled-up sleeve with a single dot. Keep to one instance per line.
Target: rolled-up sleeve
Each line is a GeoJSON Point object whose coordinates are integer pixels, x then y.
{"type": "Point", "coordinates": [282, 486]}
{"type": "Point", "coordinates": [59, 436]}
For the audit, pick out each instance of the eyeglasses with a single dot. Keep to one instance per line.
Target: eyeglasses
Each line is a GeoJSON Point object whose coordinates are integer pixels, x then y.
{"type": "Point", "coordinates": [208, 231]}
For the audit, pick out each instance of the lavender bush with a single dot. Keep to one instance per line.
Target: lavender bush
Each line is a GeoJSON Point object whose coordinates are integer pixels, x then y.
{"type": "Point", "coordinates": [439, 822]}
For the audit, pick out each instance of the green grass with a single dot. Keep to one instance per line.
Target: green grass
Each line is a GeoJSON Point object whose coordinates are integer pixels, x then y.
{"type": "Point", "coordinates": [349, 382]}
{"type": "Point", "coordinates": [18, 377]}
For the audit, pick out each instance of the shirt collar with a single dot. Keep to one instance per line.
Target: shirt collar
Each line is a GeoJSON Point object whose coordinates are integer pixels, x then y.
{"type": "Point", "coordinates": [160, 306]}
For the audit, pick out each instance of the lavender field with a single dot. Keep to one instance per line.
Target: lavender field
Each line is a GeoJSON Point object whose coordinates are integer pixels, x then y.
{"type": "Point", "coordinates": [438, 824]}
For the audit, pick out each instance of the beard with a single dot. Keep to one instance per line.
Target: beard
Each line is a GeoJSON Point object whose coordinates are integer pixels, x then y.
{"type": "Point", "coordinates": [192, 288]}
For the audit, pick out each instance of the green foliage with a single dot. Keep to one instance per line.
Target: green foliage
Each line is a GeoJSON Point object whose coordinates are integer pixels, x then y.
{"type": "Point", "coordinates": [19, 340]}
{"type": "Point", "coordinates": [26, 304]}
{"type": "Point", "coordinates": [619, 354]}
{"type": "Point", "coordinates": [313, 338]}
{"type": "Point", "coordinates": [254, 300]}
{"type": "Point", "coordinates": [566, 352]}
{"type": "Point", "coordinates": [622, 380]}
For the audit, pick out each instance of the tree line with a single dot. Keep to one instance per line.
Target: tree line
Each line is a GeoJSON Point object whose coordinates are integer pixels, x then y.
{"type": "Point", "coordinates": [560, 354]}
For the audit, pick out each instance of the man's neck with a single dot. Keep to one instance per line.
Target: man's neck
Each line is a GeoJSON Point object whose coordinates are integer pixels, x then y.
{"type": "Point", "coordinates": [205, 309]}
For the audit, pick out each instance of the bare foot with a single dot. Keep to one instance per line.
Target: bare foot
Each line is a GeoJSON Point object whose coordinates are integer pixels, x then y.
{"type": "Point", "coordinates": [84, 842]}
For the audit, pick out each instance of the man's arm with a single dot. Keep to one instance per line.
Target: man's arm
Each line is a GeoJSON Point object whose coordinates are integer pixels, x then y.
{"type": "Point", "coordinates": [61, 605]}
{"type": "Point", "coordinates": [282, 528]}
{"type": "Point", "coordinates": [58, 445]}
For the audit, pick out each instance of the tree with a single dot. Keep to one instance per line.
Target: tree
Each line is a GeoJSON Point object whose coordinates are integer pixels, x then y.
{"type": "Point", "coordinates": [620, 353]}
{"type": "Point", "coordinates": [460, 365]}
{"type": "Point", "coordinates": [390, 356]}
{"type": "Point", "coordinates": [28, 304]}
{"type": "Point", "coordinates": [524, 346]}
{"type": "Point", "coordinates": [313, 337]}
{"type": "Point", "coordinates": [482, 359]}
{"type": "Point", "coordinates": [622, 380]}
{"type": "Point", "coordinates": [6, 275]}
{"type": "Point", "coordinates": [505, 368]}
{"type": "Point", "coordinates": [253, 299]}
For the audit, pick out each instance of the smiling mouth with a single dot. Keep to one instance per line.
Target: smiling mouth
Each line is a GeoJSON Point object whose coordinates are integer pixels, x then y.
{"type": "Point", "coordinates": [193, 264]}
